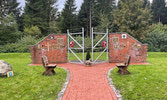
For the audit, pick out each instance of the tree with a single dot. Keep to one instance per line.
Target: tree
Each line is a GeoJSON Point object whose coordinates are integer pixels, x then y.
{"type": "Point", "coordinates": [68, 16]}
{"type": "Point", "coordinates": [104, 6]}
{"type": "Point", "coordinates": [132, 18]}
{"type": "Point", "coordinates": [103, 10]}
{"type": "Point", "coordinates": [91, 12]}
{"type": "Point", "coordinates": [40, 13]}
{"type": "Point", "coordinates": [53, 16]}
{"type": "Point", "coordinates": [119, 3]}
{"type": "Point", "coordinates": [159, 11]}
{"type": "Point", "coordinates": [104, 23]}
{"type": "Point", "coordinates": [9, 7]}
{"type": "Point", "coordinates": [146, 4]}
{"type": "Point", "coordinates": [8, 30]}
{"type": "Point", "coordinates": [20, 22]}
{"type": "Point", "coordinates": [33, 31]}
{"type": "Point", "coordinates": [85, 16]}
{"type": "Point", "coordinates": [0, 14]}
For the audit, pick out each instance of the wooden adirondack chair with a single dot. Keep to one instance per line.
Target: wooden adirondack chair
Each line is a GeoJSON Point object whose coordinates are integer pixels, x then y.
{"type": "Point", "coordinates": [49, 68]}
{"type": "Point", "coordinates": [124, 66]}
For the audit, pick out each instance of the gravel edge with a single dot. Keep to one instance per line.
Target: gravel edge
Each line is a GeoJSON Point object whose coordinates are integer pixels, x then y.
{"type": "Point", "coordinates": [111, 83]}
{"type": "Point", "coordinates": [63, 89]}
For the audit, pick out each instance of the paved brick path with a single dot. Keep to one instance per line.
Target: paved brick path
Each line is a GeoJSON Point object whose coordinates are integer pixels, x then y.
{"type": "Point", "coordinates": [88, 83]}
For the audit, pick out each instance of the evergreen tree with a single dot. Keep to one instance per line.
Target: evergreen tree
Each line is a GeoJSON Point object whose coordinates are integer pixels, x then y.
{"type": "Point", "coordinates": [97, 9]}
{"type": "Point", "coordinates": [53, 11]}
{"type": "Point", "coordinates": [8, 30]}
{"type": "Point", "coordinates": [9, 13]}
{"type": "Point", "coordinates": [103, 10]}
{"type": "Point", "coordinates": [40, 13]}
{"type": "Point", "coordinates": [0, 13]}
{"type": "Point", "coordinates": [159, 11]}
{"type": "Point", "coordinates": [20, 22]}
{"type": "Point", "coordinates": [68, 17]}
{"type": "Point", "coordinates": [146, 4]}
{"type": "Point", "coordinates": [119, 3]}
{"type": "Point", "coordinates": [104, 6]}
{"type": "Point", "coordinates": [104, 23]}
{"type": "Point", "coordinates": [132, 18]}
{"type": "Point", "coordinates": [9, 7]}
{"type": "Point", "coordinates": [84, 16]}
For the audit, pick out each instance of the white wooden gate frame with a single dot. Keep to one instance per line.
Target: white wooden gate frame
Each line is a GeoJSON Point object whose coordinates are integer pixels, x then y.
{"type": "Point", "coordinates": [94, 46]}
{"type": "Point", "coordinates": [81, 46]}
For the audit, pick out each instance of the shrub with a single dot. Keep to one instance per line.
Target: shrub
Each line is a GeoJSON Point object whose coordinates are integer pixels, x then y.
{"type": "Point", "coordinates": [21, 45]}
{"type": "Point", "coordinates": [157, 38]}
{"type": "Point", "coordinates": [164, 48]}
{"type": "Point", "coordinates": [32, 31]}
{"type": "Point", "coordinates": [88, 56]}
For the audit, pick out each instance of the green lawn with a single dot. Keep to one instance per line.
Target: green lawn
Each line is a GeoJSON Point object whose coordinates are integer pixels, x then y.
{"type": "Point", "coordinates": [146, 82]}
{"type": "Point", "coordinates": [95, 55]}
{"type": "Point", "coordinates": [28, 82]}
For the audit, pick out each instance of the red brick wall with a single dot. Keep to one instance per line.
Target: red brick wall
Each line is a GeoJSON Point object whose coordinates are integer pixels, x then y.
{"type": "Point", "coordinates": [53, 46]}
{"type": "Point", "coordinates": [119, 48]}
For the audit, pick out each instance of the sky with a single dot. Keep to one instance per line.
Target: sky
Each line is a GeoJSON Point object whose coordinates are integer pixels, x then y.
{"type": "Point", "coordinates": [60, 4]}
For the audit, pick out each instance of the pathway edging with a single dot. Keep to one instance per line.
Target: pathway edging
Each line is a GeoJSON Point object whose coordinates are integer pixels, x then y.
{"type": "Point", "coordinates": [117, 92]}
{"type": "Point", "coordinates": [61, 93]}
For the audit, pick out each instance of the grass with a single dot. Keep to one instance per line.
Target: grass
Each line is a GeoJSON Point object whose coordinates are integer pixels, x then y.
{"type": "Point", "coordinates": [146, 82]}
{"type": "Point", "coordinates": [28, 82]}
{"type": "Point", "coordinates": [95, 55]}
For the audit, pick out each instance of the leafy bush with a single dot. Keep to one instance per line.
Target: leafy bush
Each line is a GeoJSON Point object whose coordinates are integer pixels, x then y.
{"type": "Point", "coordinates": [157, 38]}
{"type": "Point", "coordinates": [21, 45]}
{"type": "Point", "coordinates": [164, 48]}
{"type": "Point", "coordinates": [32, 31]}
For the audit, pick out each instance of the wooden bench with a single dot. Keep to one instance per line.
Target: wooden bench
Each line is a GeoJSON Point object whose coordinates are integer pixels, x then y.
{"type": "Point", "coordinates": [124, 66]}
{"type": "Point", "coordinates": [49, 68]}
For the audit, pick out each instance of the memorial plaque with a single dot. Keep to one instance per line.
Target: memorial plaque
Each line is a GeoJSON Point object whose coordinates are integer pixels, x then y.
{"type": "Point", "coordinates": [60, 40]}
{"type": "Point", "coordinates": [115, 40]}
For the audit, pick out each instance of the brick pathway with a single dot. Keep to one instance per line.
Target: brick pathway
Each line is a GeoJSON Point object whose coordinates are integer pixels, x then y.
{"type": "Point", "coordinates": [88, 83]}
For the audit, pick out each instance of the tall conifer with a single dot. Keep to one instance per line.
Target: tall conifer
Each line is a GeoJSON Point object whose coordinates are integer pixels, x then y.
{"type": "Point", "coordinates": [9, 7]}
{"type": "Point", "coordinates": [39, 13]}
{"type": "Point", "coordinates": [159, 10]}
{"type": "Point", "coordinates": [132, 18]}
{"type": "Point", "coordinates": [68, 17]}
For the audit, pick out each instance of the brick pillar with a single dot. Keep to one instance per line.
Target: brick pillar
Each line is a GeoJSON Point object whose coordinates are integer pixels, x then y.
{"type": "Point", "coordinates": [145, 46]}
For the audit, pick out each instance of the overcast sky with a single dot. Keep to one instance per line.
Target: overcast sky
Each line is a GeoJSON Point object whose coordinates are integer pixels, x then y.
{"type": "Point", "coordinates": [60, 3]}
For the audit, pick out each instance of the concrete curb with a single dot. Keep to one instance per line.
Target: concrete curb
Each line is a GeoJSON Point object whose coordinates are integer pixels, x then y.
{"type": "Point", "coordinates": [61, 93]}
{"type": "Point", "coordinates": [111, 83]}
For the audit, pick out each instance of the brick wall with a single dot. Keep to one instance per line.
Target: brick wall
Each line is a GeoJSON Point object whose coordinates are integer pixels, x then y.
{"type": "Point", "coordinates": [121, 44]}
{"type": "Point", "coordinates": [53, 46]}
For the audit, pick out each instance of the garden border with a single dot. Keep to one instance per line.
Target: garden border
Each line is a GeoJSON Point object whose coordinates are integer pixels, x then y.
{"type": "Point", "coordinates": [63, 89]}
{"type": "Point", "coordinates": [111, 83]}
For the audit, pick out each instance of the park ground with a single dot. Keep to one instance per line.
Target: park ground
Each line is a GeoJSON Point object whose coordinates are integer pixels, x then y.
{"type": "Point", "coordinates": [28, 82]}
{"type": "Point", "coordinates": [146, 82]}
